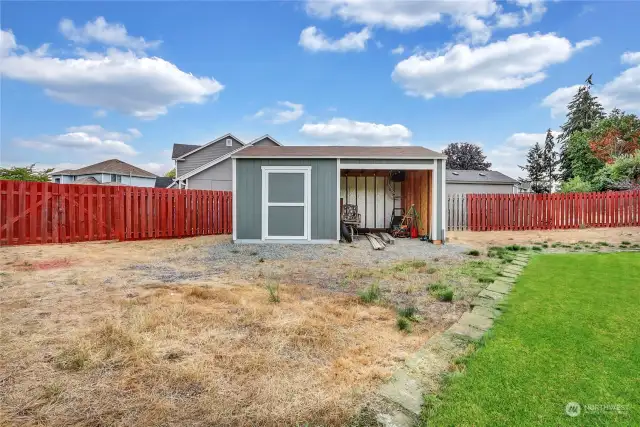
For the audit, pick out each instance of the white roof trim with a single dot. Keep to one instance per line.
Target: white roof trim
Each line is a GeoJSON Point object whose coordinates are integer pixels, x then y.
{"type": "Point", "coordinates": [223, 158]}
{"type": "Point", "coordinates": [211, 143]}
{"type": "Point", "coordinates": [263, 137]}
{"type": "Point", "coordinates": [343, 157]}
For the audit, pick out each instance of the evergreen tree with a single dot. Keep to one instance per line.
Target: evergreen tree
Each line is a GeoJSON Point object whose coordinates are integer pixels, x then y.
{"type": "Point", "coordinates": [535, 169]}
{"type": "Point", "coordinates": [584, 110]}
{"type": "Point", "coordinates": [550, 162]}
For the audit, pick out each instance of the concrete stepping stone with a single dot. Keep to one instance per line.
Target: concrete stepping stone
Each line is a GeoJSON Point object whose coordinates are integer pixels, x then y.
{"type": "Point", "coordinates": [507, 279]}
{"type": "Point", "coordinates": [466, 331]}
{"type": "Point", "coordinates": [395, 419]}
{"type": "Point", "coordinates": [491, 313]}
{"type": "Point", "coordinates": [509, 274]}
{"type": "Point", "coordinates": [476, 320]}
{"type": "Point", "coordinates": [405, 390]}
{"type": "Point", "coordinates": [491, 295]}
{"type": "Point", "coordinates": [513, 269]}
{"type": "Point", "coordinates": [483, 302]}
{"type": "Point", "coordinates": [500, 287]}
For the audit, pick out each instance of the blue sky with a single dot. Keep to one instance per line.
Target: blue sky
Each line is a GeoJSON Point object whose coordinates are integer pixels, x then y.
{"type": "Point", "coordinates": [87, 81]}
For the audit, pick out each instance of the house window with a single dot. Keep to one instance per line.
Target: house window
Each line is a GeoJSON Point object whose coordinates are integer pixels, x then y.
{"type": "Point", "coordinates": [116, 178]}
{"type": "Point", "coordinates": [57, 180]}
{"type": "Point", "coordinates": [229, 142]}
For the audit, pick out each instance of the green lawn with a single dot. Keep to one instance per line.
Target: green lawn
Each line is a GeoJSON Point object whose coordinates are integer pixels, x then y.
{"type": "Point", "coordinates": [571, 333]}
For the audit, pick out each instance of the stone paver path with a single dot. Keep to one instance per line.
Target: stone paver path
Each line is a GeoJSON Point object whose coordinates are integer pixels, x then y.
{"type": "Point", "coordinates": [405, 390]}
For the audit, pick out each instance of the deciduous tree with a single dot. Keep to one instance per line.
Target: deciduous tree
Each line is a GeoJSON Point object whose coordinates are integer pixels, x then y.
{"type": "Point", "coordinates": [26, 173]}
{"type": "Point", "coordinates": [466, 156]}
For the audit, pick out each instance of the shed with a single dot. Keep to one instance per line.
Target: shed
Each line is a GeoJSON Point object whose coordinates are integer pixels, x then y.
{"type": "Point", "coordinates": [479, 182]}
{"type": "Point", "coordinates": [293, 194]}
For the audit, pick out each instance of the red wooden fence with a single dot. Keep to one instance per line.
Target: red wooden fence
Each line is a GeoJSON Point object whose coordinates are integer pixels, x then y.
{"type": "Point", "coordinates": [37, 212]}
{"type": "Point", "coordinates": [552, 211]}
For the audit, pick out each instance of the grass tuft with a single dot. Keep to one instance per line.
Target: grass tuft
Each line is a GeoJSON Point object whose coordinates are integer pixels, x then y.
{"type": "Point", "coordinates": [409, 312]}
{"type": "Point", "coordinates": [445, 295]}
{"type": "Point", "coordinates": [274, 293]}
{"type": "Point", "coordinates": [403, 324]}
{"type": "Point", "coordinates": [473, 252]}
{"type": "Point", "coordinates": [431, 270]}
{"type": "Point", "coordinates": [371, 294]}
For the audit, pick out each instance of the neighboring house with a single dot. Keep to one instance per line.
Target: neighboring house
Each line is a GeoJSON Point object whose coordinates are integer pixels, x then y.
{"type": "Point", "coordinates": [208, 166]}
{"type": "Point", "coordinates": [114, 171]}
{"type": "Point", "coordinates": [479, 182]}
{"type": "Point", "coordinates": [293, 194]}
{"type": "Point", "coordinates": [163, 182]}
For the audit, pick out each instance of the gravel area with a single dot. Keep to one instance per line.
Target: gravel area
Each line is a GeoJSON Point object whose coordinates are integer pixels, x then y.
{"type": "Point", "coordinates": [165, 273]}
{"type": "Point", "coordinates": [359, 252]}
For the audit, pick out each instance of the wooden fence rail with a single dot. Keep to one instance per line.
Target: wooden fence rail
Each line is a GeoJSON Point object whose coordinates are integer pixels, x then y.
{"type": "Point", "coordinates": [487, 212]}
{"type": "Point", "coordinates": [37, 212]}
{"type": "Point", "coordinates": [456, 212]}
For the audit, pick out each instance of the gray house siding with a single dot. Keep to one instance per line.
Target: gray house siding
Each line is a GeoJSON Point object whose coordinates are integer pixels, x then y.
{"type": "Point", "coordinates": [205, 155]}
{"type": "Point", "coordinates": [479, 188]}
{"type": "Point", "coordinates": [388, 161]}
{"type": "Point", "coordinates": [217, 177]}
{"type": "Point", "coordinates": [324, 197]}
{"type": "Point", "coordinates": [264, 142]}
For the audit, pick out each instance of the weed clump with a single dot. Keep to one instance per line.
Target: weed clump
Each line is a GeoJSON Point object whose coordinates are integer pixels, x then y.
{"type": "Point", "coordinates": [371, 294]}
{"type": "Point", "coordinates": [473, 252]}
{"type": "Point", "coordinates": [274, 293]}
{"type": "Point", "coordinates": [403, 324]}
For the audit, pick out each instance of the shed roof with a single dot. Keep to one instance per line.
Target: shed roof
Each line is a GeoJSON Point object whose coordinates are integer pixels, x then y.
{"type": "Point", "coordinates": [478, 177]}
{"type": "Point", "coordinates": [413, 152]}
{"type": "Point", "coordinates": [163, 182]}
{"type": "Point", "coordinates": [110, 166]}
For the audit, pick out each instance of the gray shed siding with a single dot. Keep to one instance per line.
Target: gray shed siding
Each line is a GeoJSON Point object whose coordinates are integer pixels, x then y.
{"type": "Point", "coordinates": [324, 197]}
{"type": "Point", "coordinates": [479, 188]}
{"type": "Point", "coordinates": [388, 161]}
{"type": "Point", "coordinates": [205, 155]}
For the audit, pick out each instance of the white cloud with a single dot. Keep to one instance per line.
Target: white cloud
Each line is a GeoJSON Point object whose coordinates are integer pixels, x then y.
{"type": "Point", "coordinates": [588, 43]}
{"type": "Point", "coordinates": [92, 139]}
{"type": "Point", "coordinates": [557, 100]}
{"type": "Point", "coordinates": [158, 168]}
{"type": "Point", "coordinates": [476, 17]}
{"type": "Point", "coordinates": [512, 153]}
{"type": "Point", "coordinates": [284, 113]}
{"type": "Point", "coordinates": [398, 14]}
{"type": "Point", "coordinates": [123, 81]}
{"type": "Point", "coordinates": [100, 113]}
{"type": "Point", "coordinates": [515, 63]}
{"type": "Point", "coordinates": [315, 40]}
{"type": "Point", "coordinates": [632, 58]}
{"type": "Point", "coordinates": [399, 50]}
{"type": "Point", "coordinates": [350, 132]}
{"type": "Point", "coordinates": [622, 92]}
{"type": "Point", "coordinates": [101, 31]}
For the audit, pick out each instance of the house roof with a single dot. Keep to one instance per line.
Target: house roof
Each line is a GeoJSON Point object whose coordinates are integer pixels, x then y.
{"type": "Point", "coordinates": [200, 147]}
{"type": "Point", "coordinates": [114, 166]}
{"type": "Point", "coordinates": [163, 181]}
{"type": "Point", "coordinates": [341, 152]}
{"type": "Point", "coordinates": [87, 180]}
{"type": "Point", "coordinates": [182, 149]}
{"type": "Point", "coordinates": [478, 177]}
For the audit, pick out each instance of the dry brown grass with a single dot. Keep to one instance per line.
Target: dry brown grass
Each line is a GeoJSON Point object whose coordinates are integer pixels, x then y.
{"type": "Point", "coordinates": [499, 238]}
{"type": "Point", "coordinates": [79, 351]}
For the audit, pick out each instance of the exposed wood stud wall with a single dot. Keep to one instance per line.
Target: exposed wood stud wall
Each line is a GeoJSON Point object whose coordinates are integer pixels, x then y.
{"type": "Point", "coordinates": [370, 192]}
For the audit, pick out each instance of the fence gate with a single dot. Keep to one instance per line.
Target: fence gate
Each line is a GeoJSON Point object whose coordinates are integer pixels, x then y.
{"type": "Point", "coordinates": [456, 212]}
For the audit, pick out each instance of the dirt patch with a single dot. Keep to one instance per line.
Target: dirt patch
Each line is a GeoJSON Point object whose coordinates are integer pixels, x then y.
{"type": "Point", "coordinates": [159, 333]}
{"type": "Point", "coordinates": [484, 239]}
{"type": "Point", "coordinates": [43, 265]}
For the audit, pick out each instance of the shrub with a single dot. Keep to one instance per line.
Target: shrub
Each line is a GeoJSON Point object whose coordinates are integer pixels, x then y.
{"type": "Point", "coordinates": [624, 242]}
{"type": "Point", "coordinates": [371, 294]}
{"type": "Point", "coordinates": [274, 293]}
{"type": "Point", "coordinates": [603, 244]}
{"type": "Point", "coordinates": [473, 252]}
{"type": "Point", "coordinates": [431, 270]}
{"type": "Point", "coordinates": [536, 248]}
{"type": "Point", "coordinates": [513, 248]}
{"type": "Point", "coordinates": [403, 324]}
{"type": "Point", "coordinates": [576, 185]}
{"type": "Point", "coordinates": [545, 245]}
